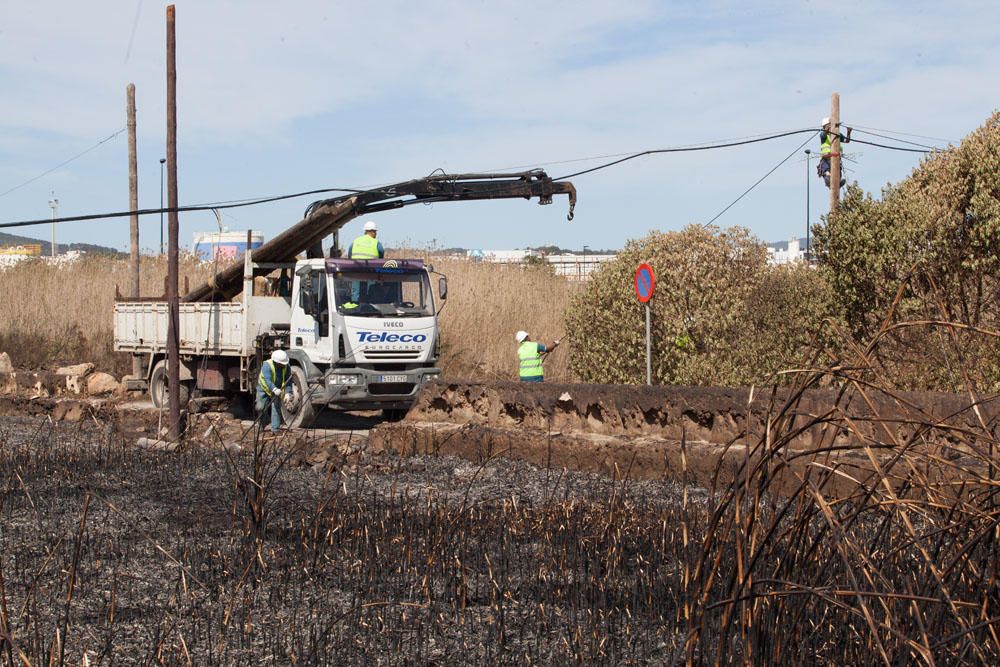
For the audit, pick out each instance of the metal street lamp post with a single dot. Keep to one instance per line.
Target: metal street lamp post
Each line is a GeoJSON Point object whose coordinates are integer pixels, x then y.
{"type": "Point", "coordinates": [808, 245]}
{"type": "Point", "coordinates": [54, 205]}
{"type": "Point", "coordinates": [162, 162]}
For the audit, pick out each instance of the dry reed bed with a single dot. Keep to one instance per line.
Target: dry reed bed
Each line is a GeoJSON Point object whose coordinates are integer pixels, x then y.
{"type": "Point", "coordinates": [63, 314]}
{"type": "Point", "coordinates": [52, 315]}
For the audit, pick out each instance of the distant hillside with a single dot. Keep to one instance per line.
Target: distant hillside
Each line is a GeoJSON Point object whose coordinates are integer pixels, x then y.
{"type": "Point", "coordinates": [13, 239]}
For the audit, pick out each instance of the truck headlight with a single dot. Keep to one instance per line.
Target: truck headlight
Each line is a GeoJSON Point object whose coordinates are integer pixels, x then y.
{"type": "Point", "coordinates": [344, 379]}
{"type": "Point", "coordinates": [429, 377]}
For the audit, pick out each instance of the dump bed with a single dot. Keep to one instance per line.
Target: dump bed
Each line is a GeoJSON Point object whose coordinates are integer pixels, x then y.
{"type": "Point", "coordinates": [221, 329]}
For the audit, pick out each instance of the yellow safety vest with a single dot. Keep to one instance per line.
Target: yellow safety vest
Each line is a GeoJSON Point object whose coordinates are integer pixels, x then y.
{"type": "Point", "coordinates": [284, 377]}
{"type": "Point", "coordinates": [531, 360]}
{"type": "Point", "coordinates": [364, 247]}
{"type": "Point", "coordinates": [826, 144]}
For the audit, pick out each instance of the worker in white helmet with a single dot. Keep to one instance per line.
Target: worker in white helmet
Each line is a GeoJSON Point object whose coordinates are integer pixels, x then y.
{"type": "Point", "coordinates": [826, 138]}
{"type": "Point", "coordinates": [273, 387]}
{"type": "Point", "coordinates": [367, 246]}
{"type": "Point", "coordinates": [529, 356]}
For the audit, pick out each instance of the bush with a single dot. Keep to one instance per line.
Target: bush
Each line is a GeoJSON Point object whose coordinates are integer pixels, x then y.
{"type": "Point", "coordinates": [928, 250]}
{"type": "Point", "coordinates": [720, 314]}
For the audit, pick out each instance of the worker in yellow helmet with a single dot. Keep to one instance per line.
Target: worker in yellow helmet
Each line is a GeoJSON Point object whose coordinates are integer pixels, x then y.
{"type": "Point", "coordinates": [367, 246]}
{"type": "Point", "coordinates": [826, 138]}
{"type": "Point", "coordinates": [273, 387]}
{"type": "Point", "coordinates": [529, 356]}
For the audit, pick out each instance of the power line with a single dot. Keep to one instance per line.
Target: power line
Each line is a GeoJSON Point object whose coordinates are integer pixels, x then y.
{"type": "Point", "coordinates": [892, 148]}
{"type": "Point", "coordinates": [905, 134]}
{"type": "Point", "coordinates": [263, 200]}
{"type": "Point", "coordinates": [179, 209]}
{"type": "Point", "coordinates": [699, 144]}
{"type": "Point", "coordinates": [902, 141]}
{"type": "Point", "coordinates": [687, 149]}
{"type": "Point", "coordinates": [63, 164]}
{"type": "Point", "coordinates": [761, 179]}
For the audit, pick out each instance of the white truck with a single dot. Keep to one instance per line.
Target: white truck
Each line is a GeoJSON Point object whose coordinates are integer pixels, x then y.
{"type": "Point", "coordinates": [360, 334]}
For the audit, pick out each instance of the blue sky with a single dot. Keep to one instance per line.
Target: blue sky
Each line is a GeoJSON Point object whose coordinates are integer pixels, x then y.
{"type": "Point", "coordinates": [285, 97]}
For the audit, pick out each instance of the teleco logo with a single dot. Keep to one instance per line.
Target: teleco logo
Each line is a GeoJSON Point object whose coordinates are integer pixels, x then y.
{"type": "Point", "coordinates": [386, 337]}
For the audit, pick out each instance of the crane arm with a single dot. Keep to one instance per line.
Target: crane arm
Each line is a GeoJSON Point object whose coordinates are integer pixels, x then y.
{"type": "Point", "coordinates": [326, 216]}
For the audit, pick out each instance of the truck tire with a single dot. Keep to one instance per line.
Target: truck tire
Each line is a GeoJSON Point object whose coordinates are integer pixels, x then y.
{"type": "Point", "coordinates": [304, 414]}
{"type": "Point", "coordinates": [158, 387]}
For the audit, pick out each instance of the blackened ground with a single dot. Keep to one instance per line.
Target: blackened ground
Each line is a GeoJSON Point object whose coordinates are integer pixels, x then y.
{"type": "Point", "coordinates": [119, 555]}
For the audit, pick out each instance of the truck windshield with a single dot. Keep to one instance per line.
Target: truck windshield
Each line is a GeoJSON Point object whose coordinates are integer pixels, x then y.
{"type": "Point", "coordinates": [383, 294]}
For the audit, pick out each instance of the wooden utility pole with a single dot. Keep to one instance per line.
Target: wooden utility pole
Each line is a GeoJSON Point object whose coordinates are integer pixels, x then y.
{"type": "Point", "coordinates": [835, 152]}
{"type": "Point", "coordinates": [133, 206]}
{"type": "Point", "coordinates": [173, 303]}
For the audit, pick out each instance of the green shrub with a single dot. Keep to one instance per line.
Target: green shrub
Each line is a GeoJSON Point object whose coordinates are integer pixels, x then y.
{"type": "Point", "coordinates": [720, 314]}
{"type": "Point", "coordinates": [928, 250]}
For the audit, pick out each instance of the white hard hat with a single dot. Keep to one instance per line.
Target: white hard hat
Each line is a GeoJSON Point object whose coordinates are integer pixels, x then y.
{"type": "Point", "coordinates": [520, 336]}
{"type": "Point", "coordinates": [370, 226]}
{"type": "Point", "coordinates": [826, 121]}
{"type": "Point", "coordinates": [279, 357]}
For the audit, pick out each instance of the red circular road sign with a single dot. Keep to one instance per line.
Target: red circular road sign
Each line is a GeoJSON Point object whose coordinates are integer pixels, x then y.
{"type": "Point", "coordinates": [644, 282]}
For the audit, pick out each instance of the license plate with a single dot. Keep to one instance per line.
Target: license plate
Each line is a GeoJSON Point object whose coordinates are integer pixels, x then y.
{"type": "Point", "coordinates": [393, 378]}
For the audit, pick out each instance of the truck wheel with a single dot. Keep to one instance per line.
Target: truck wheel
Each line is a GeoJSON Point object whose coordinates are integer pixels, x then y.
{"type": "Point", "coordinates": [304, 414]}
{"type": "Point", "coordinates": [158, 387]}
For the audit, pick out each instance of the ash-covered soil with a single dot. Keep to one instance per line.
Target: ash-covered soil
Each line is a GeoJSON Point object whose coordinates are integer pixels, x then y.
{"type": "Point", "coordinates": [113, 554]}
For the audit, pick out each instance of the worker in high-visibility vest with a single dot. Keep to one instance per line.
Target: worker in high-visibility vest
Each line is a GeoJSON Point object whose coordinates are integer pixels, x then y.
{"type": "Point", "coordinates": [273, 386]}
{"type": "Point", "coordinates": [826, 138]}
{"type": "Point", "coordinates": [529, 357]}
{"type": "Point", "coordinates": [367, 246]}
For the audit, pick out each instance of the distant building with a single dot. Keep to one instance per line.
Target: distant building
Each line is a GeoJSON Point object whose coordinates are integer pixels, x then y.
{"type": "Point", "coordinates": [572, 266]}
{"type": "Point", "coordinates": [786, 252]}
{"type": "Point", "coordinates": [27, 250]}
{"type": "Point", "coordinates": [501, 256]}
{"type": "Point", "coordinates": [226, 246]}
{"type": "Point", "coordinates": [577, 267]}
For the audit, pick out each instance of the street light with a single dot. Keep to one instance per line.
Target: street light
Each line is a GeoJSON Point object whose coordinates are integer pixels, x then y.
{"type": "Point", "coordinates": [162, 162]}
{"type": "Point", "coordinates": [54, 205]}
{"type": "Point", "coordinates": [808, 246]}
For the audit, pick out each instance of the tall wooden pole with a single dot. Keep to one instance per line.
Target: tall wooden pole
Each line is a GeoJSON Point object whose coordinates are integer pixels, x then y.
{"type": "Point", "coordinates": [133, 206]}
{"type": "Point", "coordinates": [173, 304]}
{"type": "Point", "coordinates": [835, 152]}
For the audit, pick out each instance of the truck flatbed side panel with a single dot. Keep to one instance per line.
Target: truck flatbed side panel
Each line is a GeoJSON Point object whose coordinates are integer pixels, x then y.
{"type": "Point", "coordinates": [204, 328]}
{"type": "Point", "coordinates": [220, 329]}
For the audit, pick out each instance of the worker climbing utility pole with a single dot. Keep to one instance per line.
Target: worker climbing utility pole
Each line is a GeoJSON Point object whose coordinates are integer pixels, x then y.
{"type": "Point", "coordinates": [835, 163]}
{"type": "Point", "coordinates": [173, 303]}
{"type": "Point", "coordinates": [133, 206]}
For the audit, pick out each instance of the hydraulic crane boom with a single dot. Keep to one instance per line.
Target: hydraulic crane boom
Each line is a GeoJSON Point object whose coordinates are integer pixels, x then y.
{"type": "Point", "coordinates": [327, 216]}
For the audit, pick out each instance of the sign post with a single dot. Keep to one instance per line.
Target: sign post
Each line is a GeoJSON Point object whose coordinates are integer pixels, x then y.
{"type": "Point", "coordinates": [645, 281]}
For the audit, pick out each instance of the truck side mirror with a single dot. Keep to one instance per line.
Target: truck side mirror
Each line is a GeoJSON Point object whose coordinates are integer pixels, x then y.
{"type": "Point", "coordinates": [443, 287]}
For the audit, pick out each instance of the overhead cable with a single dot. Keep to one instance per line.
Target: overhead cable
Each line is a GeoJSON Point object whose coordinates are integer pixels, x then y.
{"type": "Point", "coordinates": [902, 141]}
{"type": "Point", "coordinates": [903, 134]}
{"type": "Point", "coordinates": [179, 209]}
{"type": "Point", "coordinates": [761, 179]}
{"type": "Point", "coordinates": [892, 148]}
{"type": "Point", "coordinates": [62, 164]}
{"type": "Point", "coordinates": [688, 149]}
{"type": "Point", "coordinates": [264, 200]}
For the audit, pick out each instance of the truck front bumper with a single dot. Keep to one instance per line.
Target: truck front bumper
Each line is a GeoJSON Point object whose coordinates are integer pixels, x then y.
{"type": "Point", "coordinates": [364, 389]}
